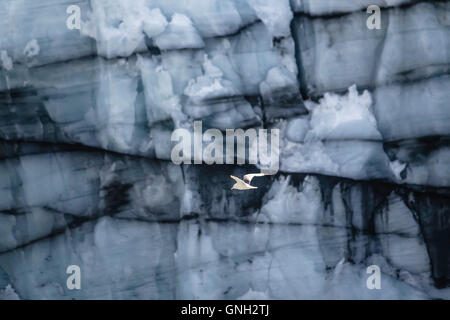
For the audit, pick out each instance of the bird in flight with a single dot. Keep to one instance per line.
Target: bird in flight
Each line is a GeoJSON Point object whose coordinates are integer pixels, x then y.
{"type": "Point", "coordinates": [243, 185]}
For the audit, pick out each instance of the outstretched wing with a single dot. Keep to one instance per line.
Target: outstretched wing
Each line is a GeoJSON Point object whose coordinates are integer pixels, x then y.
{"type": "Point", "coordinates": [249, 177]}
{"type": "Point", "coordinates": [241, 184]}
{"type": "Point", "coordinates": [236, 179]}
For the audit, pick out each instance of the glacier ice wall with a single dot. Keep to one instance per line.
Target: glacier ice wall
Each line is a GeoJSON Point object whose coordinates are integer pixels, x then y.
{"type": "Point", "coordinates": [86, 118]}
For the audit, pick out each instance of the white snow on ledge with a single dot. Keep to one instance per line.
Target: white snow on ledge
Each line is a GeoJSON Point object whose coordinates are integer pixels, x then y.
{"type": "Point", "coordinates": [7, 62]}
{"type": "Point", "coordinates": [340, 137]}
{"type": "Point", "coordinates": [348, 116]}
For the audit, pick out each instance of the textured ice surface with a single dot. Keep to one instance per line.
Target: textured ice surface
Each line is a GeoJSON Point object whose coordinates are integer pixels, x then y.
{"type": "Point", "coordinates": [86, 118]}
{"type": "Point", "coordinates": [130, 221]}
{"type": "Point", "coordinates": [339, 51]}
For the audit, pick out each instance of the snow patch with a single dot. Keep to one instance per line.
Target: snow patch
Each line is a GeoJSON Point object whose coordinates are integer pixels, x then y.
{"type": "Point", "coordinates": [275, 14]}
{"type": "Point", "coordinates": [344, 117]}
{"type": "Point", "coordinates": [32, 49]}
{"type": "Point", "coordinates": [210, 84]}
{"type": "Point", "coordinates": [120, 28]}
{"type": "Point", "coordinates": [7, 62]}
{"type": "Point", "coordinates": [285, 203]}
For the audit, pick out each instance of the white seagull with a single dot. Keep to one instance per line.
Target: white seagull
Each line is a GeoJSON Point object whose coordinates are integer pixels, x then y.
{"type": "Point", "coordinates": [245, 185]}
